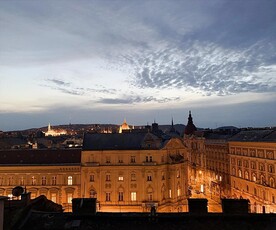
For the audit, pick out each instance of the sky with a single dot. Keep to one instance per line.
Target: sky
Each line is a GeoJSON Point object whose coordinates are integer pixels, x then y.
{"type": "Point", "coordinates": [85, 61]}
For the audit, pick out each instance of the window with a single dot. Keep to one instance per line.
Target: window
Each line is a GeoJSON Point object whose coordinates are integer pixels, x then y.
{"type": "Point", "coordinates": [273, 198]}
{"type": "Point", "coordinates": [33, 180]}
{"type": "Point", "coordinates": [21, 180]}
{"type": "Point", "coordinates": [92, 178]}
{"type": "Point", "coordinates": [150, 158]}
{"type": "Point", "coordinates": [255, 192]}
{"type": "Point", "coordinates": [121, 178]}
{"type": "Point", "coordinates": [246, 175]}
{"type": "Point", "coordinates": [133, 177]}
{"type": "Point", "coordinates": [178, 173]}
{"type": "Point", "coordinates": [107, 196]}
{"type": "Point", "coordinates": [178, 191]}
{"type": "Point", "coordinates": [254, 177]}
{"type": "Point", "coordinates": [69, 198]}
{"type": "Point", "coordinates": [163, 176]}
{"type": "Point", "coordinates": [43, 180]}
{"type": "Point", "coordinates": [261, 167]}
{"type": "Point", "coordinates": [253, 165]}
{"type": "Point", "coordinates": [271, 169]}
{"type": "Point", "coordinates": [150, 197]}
{"type": "Point", "coordinates": [54, 197]}
{"type": "Point", "coordinates": [120, 159]}
{"type": "Point", "coordinates": [93, 194]}
{"type": "Point", "coordinates": [10, 181]}
{"type": "Point", "coordinates": [70, 180]}
{"type": "Point", "coordinates": [170, 193]}
{"type": "Point", "coordinates": [239, 162]}
{"type": "Point", "coordinates": [133, 196]}
{"type": "Point", "coordinates": [132, 159]}
{"type": "Point", "coordinates": [272, 182]}
{"type": "Point", "coordinates": [247, 188]}
{"type": "Point", "coordinates": [108, 159]}
{"type": "Point", "coordinates": [240, 173]}
{"type": "Point", "coordinates": [149, 178]}
{"type": "Point", "coordinates": [233, 171]}
{"type": "Point", "coordinates": [121, 196]}
{"type": "Point", "coordinates": [54, 180]}
{"type": "Point", "coordinates": [147, 159]}
{"type": "Point", "coordinates": [107, 177]}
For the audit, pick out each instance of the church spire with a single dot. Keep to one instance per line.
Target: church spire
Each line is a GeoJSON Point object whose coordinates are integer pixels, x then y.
{"type": "Point", "coordinates": [190, 127]}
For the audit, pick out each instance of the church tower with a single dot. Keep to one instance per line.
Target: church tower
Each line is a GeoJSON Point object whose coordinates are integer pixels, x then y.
{"type": "Point", "coordinates": [190, 127]}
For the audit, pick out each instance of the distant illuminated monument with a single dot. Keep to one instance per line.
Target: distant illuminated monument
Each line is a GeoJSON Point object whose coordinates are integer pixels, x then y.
{"type": "Point", "coordinates": [124, 127]}
{"type": "Point", "coordinates": [52, 132]}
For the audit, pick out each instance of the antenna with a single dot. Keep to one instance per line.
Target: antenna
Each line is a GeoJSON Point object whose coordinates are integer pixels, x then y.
{"type": "Point", "coordinates": [17, 191]}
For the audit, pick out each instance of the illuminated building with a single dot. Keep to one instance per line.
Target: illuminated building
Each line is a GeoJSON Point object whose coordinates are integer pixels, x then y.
{"type": "Point", "coordinates": [124, 127]}
{"type": "Point", "coordinates": [252, 168]}
{"type": "Point", "coordinates": [53, 173]}
{"type": "Point", "coordinates": [194, 141]}
{"type": "Point", "coordinates": [134, 171]}
{"type": "Point", "coordinates": [217, 166]}
{"type": "Point", "coordinates": [52, 132]}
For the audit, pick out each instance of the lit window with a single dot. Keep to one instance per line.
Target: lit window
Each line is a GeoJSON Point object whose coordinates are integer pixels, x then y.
{"type": "Point", "coordinates": [178, 192]}
{"type": "Point", "coordinates": [133, 196]}
{"type": "Point", "coordinates": [69, 181]}
{"type": "Point", "coordinates": [121, 178]}
{"type": "Point", "coordinates": [170, 193]}
{"type": "Point", "coordinates": [254, 177]}
{"type": "Point", "coordinates": [240, 173]}
{"type": "Point", "coordinates": [121, 196]}
{"type": "Point", "coordinates": [10, 196]}
{"type": "Point", "coordinates": [43, 180]}
{"type": "Point", "coordinates": [33, 180]}
{"type": "Point", "coordinates": [54, 180]}
{"type": "Point", "coordinates": [54, 197]}
{"type": "Point", "coordinates": [21, 180]}
{"type": "Point", "coordinates": [178, 173]}
{"type": "Point", "coordinates": [69, 198]}
{"type": "Point", "coordinates": [107, 196]}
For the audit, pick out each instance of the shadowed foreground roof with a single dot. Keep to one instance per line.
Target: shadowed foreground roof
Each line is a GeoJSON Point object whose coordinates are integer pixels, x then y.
{"type": "Point", "coordinates": [121, 141]}
{"type": "Point", "coordinates": [145, 221]}
{"type": "Point", "coordinates": [40, 157]}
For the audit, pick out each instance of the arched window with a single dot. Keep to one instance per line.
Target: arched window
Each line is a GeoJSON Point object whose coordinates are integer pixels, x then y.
{"type": "Point", "coordinates": [246, 175]}
{"type": "Point", "coordinates": [233, 171]}
{"type": "Point", "coordinates": [69, 180]}
{"type": "Point", "coordinates": [254, 177]}
{"type": "Point", "coordinates": [93, 193]}
{"type": "Point", "coordinates": [272, 182]}
{"type": "Point", "coordinates": [240, 173]}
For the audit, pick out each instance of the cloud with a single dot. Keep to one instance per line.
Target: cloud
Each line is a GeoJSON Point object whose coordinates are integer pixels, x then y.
{"type": "Point", "coordinates": [68, 88]}
{"type": "Point", "coordinates": [205, 68]}
{"type": "Point", "coordinates": [136, 99]}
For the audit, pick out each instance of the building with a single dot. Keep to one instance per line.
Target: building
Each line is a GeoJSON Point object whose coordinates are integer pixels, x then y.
{"type": "Point", "coordinates": [217, 166]}
{"type": "Point", "coordinates": [134, 171]}
{"type": "Point", "coordinates": [252, 168]}
{"type": "Point", "coordinates": [53, 173]}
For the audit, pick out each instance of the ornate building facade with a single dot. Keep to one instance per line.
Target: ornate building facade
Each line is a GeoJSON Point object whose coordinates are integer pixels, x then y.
{"type": "Point", "coordinates": [252, 168]}
{"type": "Point", "coordinates": [134, 171]}
{"type": "Point", "coordinates": [53, 173]}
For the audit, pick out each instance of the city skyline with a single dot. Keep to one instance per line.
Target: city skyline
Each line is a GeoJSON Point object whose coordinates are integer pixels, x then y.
{"type": "Point", "coordinates": [102, 61]}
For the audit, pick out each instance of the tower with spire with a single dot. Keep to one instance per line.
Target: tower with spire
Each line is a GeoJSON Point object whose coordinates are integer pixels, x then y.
{"type": "Point", "coordinates": [190, 127]}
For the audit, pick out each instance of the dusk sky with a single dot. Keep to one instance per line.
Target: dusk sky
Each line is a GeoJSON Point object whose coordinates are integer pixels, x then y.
{"type": "Point", "coordinates": [82, 61]}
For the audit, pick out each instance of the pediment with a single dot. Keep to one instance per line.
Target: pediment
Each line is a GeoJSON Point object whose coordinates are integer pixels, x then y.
{"type": "Point", "coordinates": [174, 143]}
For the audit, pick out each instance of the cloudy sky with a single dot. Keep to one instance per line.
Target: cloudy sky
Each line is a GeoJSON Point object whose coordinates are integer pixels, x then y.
{"type": "Point", "coordinates": [85, 61]}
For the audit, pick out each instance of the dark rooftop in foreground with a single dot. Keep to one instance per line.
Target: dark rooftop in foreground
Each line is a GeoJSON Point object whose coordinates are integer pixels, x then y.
{"type": "Point", "coordinates": [40, 157]}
